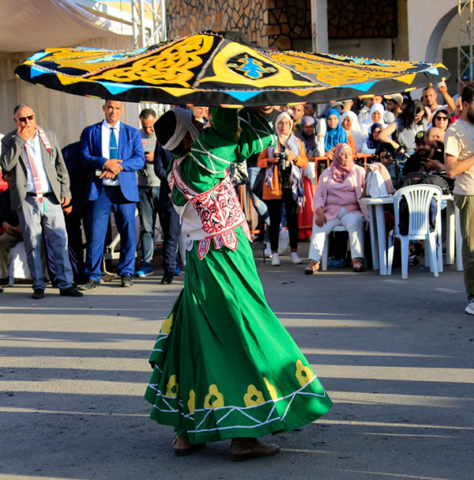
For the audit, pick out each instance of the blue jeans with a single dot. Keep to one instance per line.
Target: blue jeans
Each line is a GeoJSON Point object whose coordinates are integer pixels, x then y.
{"type": "Point", "coordinates": [147, 209]}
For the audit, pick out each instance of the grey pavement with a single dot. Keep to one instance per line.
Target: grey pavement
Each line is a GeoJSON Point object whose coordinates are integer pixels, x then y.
{"type": "Point", "coordinates": [396, 356]}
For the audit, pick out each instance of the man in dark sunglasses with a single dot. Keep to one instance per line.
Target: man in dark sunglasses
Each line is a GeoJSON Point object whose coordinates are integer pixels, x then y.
{"type": "Point", "coordinates": [41, 195]}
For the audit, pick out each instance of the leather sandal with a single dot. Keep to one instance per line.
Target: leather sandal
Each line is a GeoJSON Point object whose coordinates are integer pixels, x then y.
{"type": "Point", "coordinates": [311, 269]}
{"type": "Point", "coordinates": [246, 448]}
{"type": "Point", "coordinates": [182, 446]}
{"type": "Point", "coordinates": [358, 267]}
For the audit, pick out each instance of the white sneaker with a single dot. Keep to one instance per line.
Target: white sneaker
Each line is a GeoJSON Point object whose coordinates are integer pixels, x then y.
{"type": "Point", "coordinates": [470, 308]}
{"type": "Point", "coordinates": [283, 241]}
{"type": "Point", "coordinates": [268, 250]}
{"type": "Point", "coordinates": [275, 260]}
{"type": "Point", "coordinates": [295, 259]}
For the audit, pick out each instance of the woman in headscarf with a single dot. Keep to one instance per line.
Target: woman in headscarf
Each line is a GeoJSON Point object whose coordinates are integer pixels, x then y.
{"type": "Point", "coordinates": [375, 116]}
{"type": "Point", "coordinates": [284, 184]}
{"type": "Point", "coordinates": [372, 144]}
{"type": "Point", "coordinates": [336, 203]}
{"type": "Point", "coordinates": [307, 135]}
{"type": "Point", "coordinates": [305, 215]}
{"type": "Point", "coordinates": [350, 123]}
{"type": "Point", "coordinates": [333, 136]}
{"type": "Point", "coordinates": [224, 367]}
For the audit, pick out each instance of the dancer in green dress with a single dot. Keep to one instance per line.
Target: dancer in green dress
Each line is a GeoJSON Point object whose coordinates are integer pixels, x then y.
{"type": "Point", "coordinates": [224, 367]}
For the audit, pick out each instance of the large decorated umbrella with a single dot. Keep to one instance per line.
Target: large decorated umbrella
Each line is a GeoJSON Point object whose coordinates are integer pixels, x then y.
{"type": "Point", "coordinates": [210, 69]}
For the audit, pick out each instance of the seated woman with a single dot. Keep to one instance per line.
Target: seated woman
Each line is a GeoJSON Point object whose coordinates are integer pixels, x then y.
{"type": "Point", "coordinates": [372, 144]}
{"type": "Point", "coordinates": [333, 135]}
{"type": "Point", "coordinates": [284, 183]}
{"type": "Point", "coordinates": [337, 203]}
{"type": "Point", "coordinates": [350, 123]}
{"type": "Point", "coordinates": [441, 119]}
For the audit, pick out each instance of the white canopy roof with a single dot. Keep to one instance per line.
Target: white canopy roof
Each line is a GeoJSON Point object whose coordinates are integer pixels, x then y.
{"type": "Point", "coordinates": [31, 25]}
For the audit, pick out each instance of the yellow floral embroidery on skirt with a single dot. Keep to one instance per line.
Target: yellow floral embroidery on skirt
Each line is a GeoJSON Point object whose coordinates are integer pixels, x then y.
{"type": "Point", "coordinates": [253, 397]}
{"type": "Point", "coordinates": [214, 399]}
{"type": "Point", "coordinates": [303, 374]}
{"type": "Point", "coordinates": [172, 387]}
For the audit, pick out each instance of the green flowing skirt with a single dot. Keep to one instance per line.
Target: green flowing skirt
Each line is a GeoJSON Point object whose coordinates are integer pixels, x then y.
{"type": "Point", "coordinates": [223, 364]}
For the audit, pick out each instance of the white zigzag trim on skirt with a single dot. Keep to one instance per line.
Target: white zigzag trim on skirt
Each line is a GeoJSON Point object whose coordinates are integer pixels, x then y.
{"type": "Point", "coordinates": [190, 416]}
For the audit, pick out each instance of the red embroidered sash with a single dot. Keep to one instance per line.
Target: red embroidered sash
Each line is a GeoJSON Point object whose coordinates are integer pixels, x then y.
{"type": "Point", "coordinates": [219, 211]}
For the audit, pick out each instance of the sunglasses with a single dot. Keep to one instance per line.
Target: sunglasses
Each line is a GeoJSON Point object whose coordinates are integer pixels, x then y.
{"type": "Point", "coordinates": [441, 118]}
{"type": "Point", "coordinates": [24, 119]}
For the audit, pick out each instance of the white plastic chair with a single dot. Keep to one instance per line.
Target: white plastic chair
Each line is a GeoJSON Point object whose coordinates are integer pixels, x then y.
{"type": "Point", "coordinates": [418, 199]}
{"type": "Point", "coordinates": [18, 264]}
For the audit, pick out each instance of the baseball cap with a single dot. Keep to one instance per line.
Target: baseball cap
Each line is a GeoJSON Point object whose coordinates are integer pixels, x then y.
{"type": "Point", "coordinates": [396, 97]}
{"type": "Point", "coordinates": [420, 137]}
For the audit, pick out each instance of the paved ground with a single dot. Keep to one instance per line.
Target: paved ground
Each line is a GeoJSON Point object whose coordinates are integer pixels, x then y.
{"type": "Point", "coordinates": [396, 356]}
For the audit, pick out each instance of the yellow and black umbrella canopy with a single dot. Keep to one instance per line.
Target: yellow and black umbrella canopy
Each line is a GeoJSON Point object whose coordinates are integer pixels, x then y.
{"type": "Point", "coordinates": [210, 69]}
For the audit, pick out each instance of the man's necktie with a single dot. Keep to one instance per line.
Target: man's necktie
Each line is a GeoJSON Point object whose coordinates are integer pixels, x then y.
{"type": "Point", "coordinates": [113, 154]}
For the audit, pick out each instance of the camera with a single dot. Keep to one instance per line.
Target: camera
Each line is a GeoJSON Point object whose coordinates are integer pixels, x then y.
{"type": "Point", "coordinates": [282, 157]}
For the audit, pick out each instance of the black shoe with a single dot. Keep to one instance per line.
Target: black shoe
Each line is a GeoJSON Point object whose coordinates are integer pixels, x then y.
{"type": "Point", "coordinates": [1, 290]}
{"type": "Point", "coordinates": [4, 282]}
{"type": "Point", "coordinates": [70, 292]}
{"type": "Point", "coordinates": [56, 285]}
{"type": "Point", "coordinates": [89, 285]}
{"type": "Point", "coordinates": [167, 279]}
{"type": "Point", "coordinates": [127, 281]}
{"type": "Point", "coordinates": [38, 294]}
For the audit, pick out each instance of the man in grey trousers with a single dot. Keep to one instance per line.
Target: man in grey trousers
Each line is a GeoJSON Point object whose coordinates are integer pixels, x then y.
{"type": "Point", "coordinates": [39, 193]}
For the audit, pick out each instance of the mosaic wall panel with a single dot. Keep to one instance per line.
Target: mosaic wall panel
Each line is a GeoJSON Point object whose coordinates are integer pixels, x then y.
{"type": "Point", "coordinates": [186, 17]}
{"type": "Point", "coordinates": [362, 19]}
{"type": "Point", "coordinates": [288, 20]}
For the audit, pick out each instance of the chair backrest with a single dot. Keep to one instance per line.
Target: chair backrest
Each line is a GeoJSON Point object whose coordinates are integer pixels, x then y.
{"type": "Point", "coordinates": [418, 198]}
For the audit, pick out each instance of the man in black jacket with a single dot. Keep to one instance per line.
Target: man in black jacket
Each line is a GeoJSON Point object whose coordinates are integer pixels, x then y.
{"type": "Point", "coordinates": [169, 219]}
{"type": "Point", "coordinates": [427, 158]}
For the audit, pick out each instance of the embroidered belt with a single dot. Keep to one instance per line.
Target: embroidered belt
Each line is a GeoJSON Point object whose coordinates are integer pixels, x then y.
{"type": "Point", "coordinates": [219, 211]}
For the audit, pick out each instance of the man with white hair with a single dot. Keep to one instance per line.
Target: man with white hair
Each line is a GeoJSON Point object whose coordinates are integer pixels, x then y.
{"type": "Point", "coordinates": [222, 351]}
{"type": "Point", "coordinates": [41, 195]}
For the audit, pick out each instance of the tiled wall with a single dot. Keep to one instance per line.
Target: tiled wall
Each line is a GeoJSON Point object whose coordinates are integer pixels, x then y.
{"type": "Point", "coordinates": [289, 24]}
{"type": "Point", "coordinates": [186, 17]}
{"type": "Point", "coordinates": [367, 19]}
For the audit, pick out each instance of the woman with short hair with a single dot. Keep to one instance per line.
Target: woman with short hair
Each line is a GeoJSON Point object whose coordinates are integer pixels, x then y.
{"type": "Point", "coordinates": [441, 119]}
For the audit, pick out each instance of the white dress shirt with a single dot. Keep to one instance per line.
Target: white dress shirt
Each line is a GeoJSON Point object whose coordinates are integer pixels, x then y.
{"type": "Point", "coordinates": [34, 145]}
{"type": "Point", "coordinates": [106, 149]}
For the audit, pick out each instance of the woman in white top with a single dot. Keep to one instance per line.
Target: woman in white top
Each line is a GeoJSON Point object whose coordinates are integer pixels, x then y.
{"type": "Point", "coordinates": [350, 123]}
{"type": "Point", "coordinates": [376, 116]}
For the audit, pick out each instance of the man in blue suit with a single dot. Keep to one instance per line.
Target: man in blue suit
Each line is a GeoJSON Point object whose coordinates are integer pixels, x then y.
{"type": "Point", "coordinates": [112, 152]}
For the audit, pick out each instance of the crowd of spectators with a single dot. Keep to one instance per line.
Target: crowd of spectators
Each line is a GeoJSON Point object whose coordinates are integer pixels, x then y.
{"type": "Point", "coordinates": [118, 168]}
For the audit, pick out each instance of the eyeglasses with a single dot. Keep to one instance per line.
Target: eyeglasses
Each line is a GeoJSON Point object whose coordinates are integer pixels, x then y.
{"type": "Point", "coordinates": [441, 118]}
{"type": "Point", "coordinates": [24, 119]}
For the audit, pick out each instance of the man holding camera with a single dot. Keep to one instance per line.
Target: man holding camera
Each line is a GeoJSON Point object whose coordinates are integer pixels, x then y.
{"type": "Point", "coordinates": [426, 158]}
{"type": "Point", "coordinates": [148, 191]}
{"type": "Point", "coordinates": [41, 195]}
{"type": "Point", "coordinates": [113, 153]}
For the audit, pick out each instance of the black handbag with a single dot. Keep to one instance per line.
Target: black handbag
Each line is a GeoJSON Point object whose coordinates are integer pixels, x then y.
{"type": "Point", "coordinates": [257, 189]}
